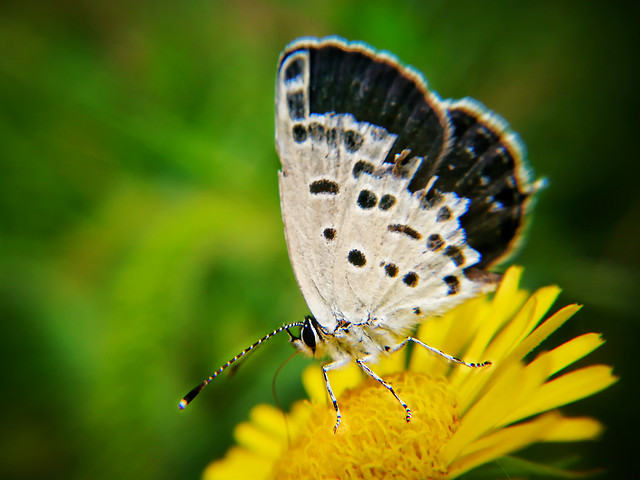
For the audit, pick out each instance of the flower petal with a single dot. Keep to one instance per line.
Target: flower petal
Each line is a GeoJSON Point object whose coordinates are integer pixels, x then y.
{"type": "Point", "coordinates": [432, 331]}
{"type": "Point", "coordinates": [502, 442]}
{"type": "Point", "coordinates": [573, 430]}
{"type": "Point", "coordinates": [565, 389]}
{"type": "Point", "coordinates": [500, 348]}
{"type": "Point", "coordinates": [571, 351]}
{"type": "Point", "coordinates": [393, 363]}
{"type": "Point", "coordinates": [486, 413]}
{"type": "Point", "coordinates": [257, 440]}
{"type": "Point", "coordinates": [543, 331]}
{"type": "Point", "coordinates": [314, 385]}
{"type": "Point", "coordinates": [523, 323]}
{"type": "Point", "coordinates": [341, 379]}
{"type": "Point", "coordinates": [463, 326]}
{"type": "Point", "coordinates": [270, 420]}
{"type": "Point", "coordinates": [507, 300]}
{"type": "Point", "coordinates": [508, 288]}
{"type": "Point", "coordinates": [476, 384]}
{"type": "Point", "coordinates": [238, 463]}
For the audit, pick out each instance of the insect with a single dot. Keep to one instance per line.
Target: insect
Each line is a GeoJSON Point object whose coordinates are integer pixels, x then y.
{"type": "Point", "coordinates": [395, 203]}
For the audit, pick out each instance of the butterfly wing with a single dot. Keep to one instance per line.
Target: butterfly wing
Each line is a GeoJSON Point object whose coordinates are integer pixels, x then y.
{"type": "Point", "coordinates": [372, 170]}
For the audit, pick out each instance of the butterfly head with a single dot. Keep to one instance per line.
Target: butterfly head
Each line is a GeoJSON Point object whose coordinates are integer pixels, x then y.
{"type": "Point", "coordinates": [310, 339]}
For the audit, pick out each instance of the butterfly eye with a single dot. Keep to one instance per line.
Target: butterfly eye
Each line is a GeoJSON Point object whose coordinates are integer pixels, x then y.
{"type": "Point", "coordinates": [309, 336]}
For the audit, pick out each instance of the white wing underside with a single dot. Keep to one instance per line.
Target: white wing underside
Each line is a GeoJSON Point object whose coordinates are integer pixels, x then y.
{"type": "Point", "coordinates": [334, 288]}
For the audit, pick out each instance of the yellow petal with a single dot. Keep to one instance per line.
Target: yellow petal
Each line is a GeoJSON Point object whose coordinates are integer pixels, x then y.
{"type": "Point", "coordinates": [432, 332]}
{"type": "Point", "coordinates": [502, 442]}
{"type": "Point", "coordinates": [238, 463]}
{"type": "Point", "coordinates": [543, 331]}
{"type": "Point", "coordinates": [392, 363]}
{"type": "Point", "coordinates": [257, 440]}
{"type": "Point", "coordinates": [488, 411]}
{"type": "Point", "coordinates": [314, 385]}
{"type": "Point", "coordinates": [301, 413]}
{"type": "Point", "coordinates": [451, 333]}
{"type": "Point", "coordinates": [270, 420]}
{"type": "Point", "coordinates": [571, 351]}
{"type": "Point", "coordinates": [565, 389]}
{"type": "Point", "coordinates": [500, 348]}
{"type": "Point", "coordinates": [462, 329]}
{"type": "Point", "coordinates": [463, 322]}
{"type": "Point", "coordinates": [349, 376]}
{"type": "Point", "coordinates": [508, 287]}
{"type": "Point", "coordinates": [341, 379]}
{"type": "Point", "coordinates": [523, 323]}
{"type": "Point", "coordinates": [477, 383]}
{"type": "Point", "coordinates": [573, 430]}
{"type": "Point", "coordinates": [507, 300]}
{"type": "Point", "coordinates": [502, 397]}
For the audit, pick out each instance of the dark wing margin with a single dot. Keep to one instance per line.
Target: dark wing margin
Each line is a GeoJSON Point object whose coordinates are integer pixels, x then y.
{"type": "Point", "coordinates": [485, 163]}
{"type": "Point", "coordinates": [351, 78]}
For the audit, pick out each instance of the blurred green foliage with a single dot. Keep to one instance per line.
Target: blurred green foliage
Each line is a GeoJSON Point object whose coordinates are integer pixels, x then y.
{"type": "Point", "coordinates": [141, 244]}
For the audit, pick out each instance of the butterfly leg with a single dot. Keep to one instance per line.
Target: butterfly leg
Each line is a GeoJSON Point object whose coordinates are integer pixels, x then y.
{"type": "Point", "coordinates": [361, 363]}
{"type": "Point", "coordinates": [441, 353]}
{"type": "Point", "coordinates": [325, 369]}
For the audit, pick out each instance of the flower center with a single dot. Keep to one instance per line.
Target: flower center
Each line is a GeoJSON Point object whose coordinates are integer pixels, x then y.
{"type": "Point", "coordinates": [374, 440]}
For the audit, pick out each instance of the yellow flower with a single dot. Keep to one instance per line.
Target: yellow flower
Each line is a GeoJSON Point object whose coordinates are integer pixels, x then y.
{"type": "Point", "coordinates": [462, 417]}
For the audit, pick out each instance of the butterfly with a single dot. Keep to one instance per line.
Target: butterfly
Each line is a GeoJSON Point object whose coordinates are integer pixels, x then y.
{"type": "Point", "coordinates": [395, 203]}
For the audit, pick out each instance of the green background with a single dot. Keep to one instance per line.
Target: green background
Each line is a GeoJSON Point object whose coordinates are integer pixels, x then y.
{"type": "Point", "coordinates": [141, 243]}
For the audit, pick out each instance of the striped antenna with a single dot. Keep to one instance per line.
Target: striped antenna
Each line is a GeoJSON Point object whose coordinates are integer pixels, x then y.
{"type": "Point", "coordinates": [193, 393]}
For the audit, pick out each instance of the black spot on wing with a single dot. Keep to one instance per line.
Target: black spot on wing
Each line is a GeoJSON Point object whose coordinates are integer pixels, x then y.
{"type": "Point", "coordinates": [455, 254]}
{"type": "Point", "coordinates": [332, 137]}
{"type": "Point", "coordinates": [444, 214]}
{"type": "Point", "coordinates": [411, 279]}
{"type": "Point", "coordinates": [405, 229]}
{"type": "Point", "coordinates": [299, 133]}
{"type": "Point", "coordinates": [324, 186]}
{"type": "Point", "coordinates": [367, 199]}
{"type": "Point", "coordinates": [329, 233]}
{"type": "Point", "coordinates": [391, 270]}
{"type": "Point", "coordinates": [453, 283]}
{"type": "Point", "coordinates": [353, 140]}
{"type": "Point", "coordinates": [357, 258]}
{"type": "Point", "coordinates": [435, 242]}
{"type": "Point", "coordinates": [362, 167]}
{"type": "Point", "coordinates": [316, 130]}
{"type": "Point", "coordinates": [386, 202]}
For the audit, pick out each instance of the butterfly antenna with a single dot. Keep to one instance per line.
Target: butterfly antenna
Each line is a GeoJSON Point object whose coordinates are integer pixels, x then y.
{"type": "Point", "coordinates": [186, 400]}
